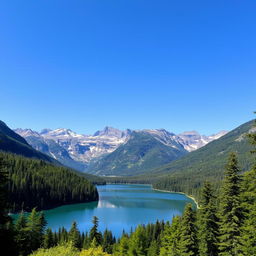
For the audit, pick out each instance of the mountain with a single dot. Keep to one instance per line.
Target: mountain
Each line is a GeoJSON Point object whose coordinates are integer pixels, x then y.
{"type": "Point", "coordinates": [51, 148]}
{"type": "Point", "coordinates": [143, 151]}
{"type": "Point", "coordinates": [72, 149]}
{"type": "Point", "coordinates": [13, 143]}
{"type": "Point", "coordinates": [193, 140]}
{"type": "Point", "coordinates": [207, 163]}
{"type": "Point", "coordinates": [80, 151]}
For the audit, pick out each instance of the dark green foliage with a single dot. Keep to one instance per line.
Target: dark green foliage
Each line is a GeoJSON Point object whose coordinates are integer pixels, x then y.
{"type": "Point", "coordinates": [249, 206]}
{"type": "Point", "coordinates": [141, 153]}
{"type": "Point", "coordinates": [6, 228]}
{"type": "Point", "coordinates": [94, 235]}
{"type": "Point", "coordinates": [13, 143]}
{"type": "Point", "coordinates": [108, 241]}
{"type": "Point", "coordinates": [35, 229]}
{"type": "Point", "coordinates": [34, 183]}
{"type": "Point", "coordinates": [170, 238]}
{"type": "Point", "coordinates": [248, 199]}
{"type": "Point", "coordinates": [188, 173]}
{"type": "Point", "coordinates": [74, 236]}
{"type": "Point", "coordinates": [188, 233]}
{"type": "Point", "coordinates": [30, 232]}
{"type": "Point", "coordinates": [49, 240]}
{"type": "Point", "coordinates": [208, 223]}
{"type": "Point", "coordinates": [231, 212]}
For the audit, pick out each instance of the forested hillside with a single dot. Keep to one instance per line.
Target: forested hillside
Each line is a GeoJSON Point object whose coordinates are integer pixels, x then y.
{"type": "Point", "coordinates": [35, 183]}
{"type": "Point", "coordinates": [141, 153]}
{"type": "Point", "coordinates": [188, 173]}
{"type": "Point", "coordinates": [13, 143]}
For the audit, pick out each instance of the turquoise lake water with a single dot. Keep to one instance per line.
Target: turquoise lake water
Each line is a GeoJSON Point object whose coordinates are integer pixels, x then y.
{"type": "Point", "coordinates": [120, 207]}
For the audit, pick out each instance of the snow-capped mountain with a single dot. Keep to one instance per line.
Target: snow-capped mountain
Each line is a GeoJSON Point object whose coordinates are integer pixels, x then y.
{"type": "Point", "coordinates": [192, 140]}
{"type": "Point", "coordinates": [78, 150]}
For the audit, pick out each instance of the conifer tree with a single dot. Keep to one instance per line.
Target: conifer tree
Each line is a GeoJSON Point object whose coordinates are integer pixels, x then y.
{"type": "Point", "coordinates": [108, 241]}
{"type": "Point", "coordinates": [35, 226]}
{"type": "Point", "coordinates": [249, 204]}
{"type": "Point", "coordinates": [138, 242]}
{"type": "Point", "coordinates": [74, 236]}
{"type": "Point", "coordinates": [94, 233]}
{"type": "Point", "coordinates": [48, 239]}
{"type": "Point", "coordinates": [207, 223]}
{"type": "Point", "coordinates": [153, 249]}
{"type": "Point", "coordinates": [121, 249]}
{"type": "Point", "coordinates": [170, 238]}
{"type": "Point", "coordinates": [6, 231]}
{"type": "Point", "coordinates": [21, 235]}
{"type": "Point", "coordinates": [188, 234]}
{"type": "Point", "coordinates": [231, 214]}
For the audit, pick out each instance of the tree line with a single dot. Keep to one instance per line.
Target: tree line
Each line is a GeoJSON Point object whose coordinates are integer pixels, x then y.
{"type": "Point", "coordinates": [35, 183]}
{"type": "Point", "coordinates": [223, 225]}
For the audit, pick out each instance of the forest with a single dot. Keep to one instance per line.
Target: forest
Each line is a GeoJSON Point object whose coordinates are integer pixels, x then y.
{"type": "Point", "coordinates": [224, 224]}
{"type": "Point", "coordinates": [35, 183]}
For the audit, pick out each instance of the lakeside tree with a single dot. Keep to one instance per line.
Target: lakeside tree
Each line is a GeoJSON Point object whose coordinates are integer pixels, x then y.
{"type": "Point", "coordinates": [74, 236]}
{"type": "Point", "coordinates": [249, 205]}
{"type": "Point", "coordinates": [94, 235]}
{"type": "Point", "coordinates": [188, 233]}
{"type": "Point", "coordinates": [6, 228]}
{"type": "Point", "coordinates": [170, 238]}
{"type": "Point", "coordinates": [208, 228]}
{"type": "Point", "coordinates": [231, 213]}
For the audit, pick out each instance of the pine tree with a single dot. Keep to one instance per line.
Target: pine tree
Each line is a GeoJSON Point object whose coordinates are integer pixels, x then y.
{"type": "Point", "coordinates": [48, 239]}
{"type": "Point", "coordinates": [94, 233]}
{"type": "Point", "coordinates": [231, 214]}
{"type": "Point", "coordinates": [6, 231]}
{"type": "Point", "coordinates": [188, 234]}
{"type": "Point", "coordinates": [207, 223]}
{"type": "Point", "coordinates": [138, 242]}
{"type": "Point", "coordinates": [74, 236]}
{"type": "Point", "coordinates": [121, 249]}
{"type": "Point", "coordinates": [170, 238]}
{"type": "Point", "coordinates": [249, 204]}
{"type": "Point", "coordinates": [153, 249]}
{"type": "Point", "coordinates": [21, 235]}
{"type": "Point", "coordinates": [108, 241]}
{"type": "Point", "coordinates": [35, 226]}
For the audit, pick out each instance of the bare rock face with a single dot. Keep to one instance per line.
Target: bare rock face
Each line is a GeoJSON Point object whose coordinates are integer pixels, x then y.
{"type": "Point", "coordinates": [78, 150]}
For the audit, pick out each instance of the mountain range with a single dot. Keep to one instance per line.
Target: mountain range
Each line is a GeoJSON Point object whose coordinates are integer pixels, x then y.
{"type": "Point", "coordinates": [188, 173]}
{"type": "Point", "coordinates": [114, 152]}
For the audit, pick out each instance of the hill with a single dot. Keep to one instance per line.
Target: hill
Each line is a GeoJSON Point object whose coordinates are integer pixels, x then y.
{"type": "Point", "coordinates": [207, 163]}
{"type": "Point", "coordinates": [35, 183]}
{"type": "Point", "coordinates": [13, 143]}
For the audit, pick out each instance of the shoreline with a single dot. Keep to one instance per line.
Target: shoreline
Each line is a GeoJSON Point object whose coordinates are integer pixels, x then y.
{"type": "Point", "coordinates": [189, 196]}
{"type": "Point", "coordinates": [161, 190]}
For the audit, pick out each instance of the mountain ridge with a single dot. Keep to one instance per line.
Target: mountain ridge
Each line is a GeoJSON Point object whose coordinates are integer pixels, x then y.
{"type": "Point", "coordinates": [78, 150]}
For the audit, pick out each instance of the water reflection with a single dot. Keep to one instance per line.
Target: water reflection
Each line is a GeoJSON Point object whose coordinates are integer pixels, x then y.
{"type": "Point", "coordinates": [120, 207]}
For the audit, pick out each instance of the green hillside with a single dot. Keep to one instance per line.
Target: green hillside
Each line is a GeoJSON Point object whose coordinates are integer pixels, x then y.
{"type": "Point", "coordinates": [35, 183]}
{"type": "Point", "coordinates": [13, 143]}
{"type": "Point", "coordinates": [141, 153]}
{"type": "Point", "coordinates": [188, 173]}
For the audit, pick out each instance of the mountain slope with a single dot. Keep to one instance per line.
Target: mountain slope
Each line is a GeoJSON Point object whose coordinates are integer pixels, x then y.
{"type": "Point", "coordinates": [207, 163]}
{"type": "Point", "coordinates": [141, 153]}
{"type": "Point", "coordinates": [13, 143]}
{"type": "Point", "coordinates": [50, 148]}
{"type": "Point", "coordinates": [35, 183]}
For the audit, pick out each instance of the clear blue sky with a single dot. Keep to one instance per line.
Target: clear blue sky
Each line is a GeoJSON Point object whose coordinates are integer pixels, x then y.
{"type": "Point", "coordinates": [84, 64]}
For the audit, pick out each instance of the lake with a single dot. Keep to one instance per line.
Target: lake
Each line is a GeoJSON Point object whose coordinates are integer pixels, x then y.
{"type": "Point", "coordinates": [120, 207]}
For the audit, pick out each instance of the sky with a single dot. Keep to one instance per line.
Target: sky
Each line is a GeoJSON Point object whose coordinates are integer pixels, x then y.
{"type": "Point", "coordinates": [86, 64]}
